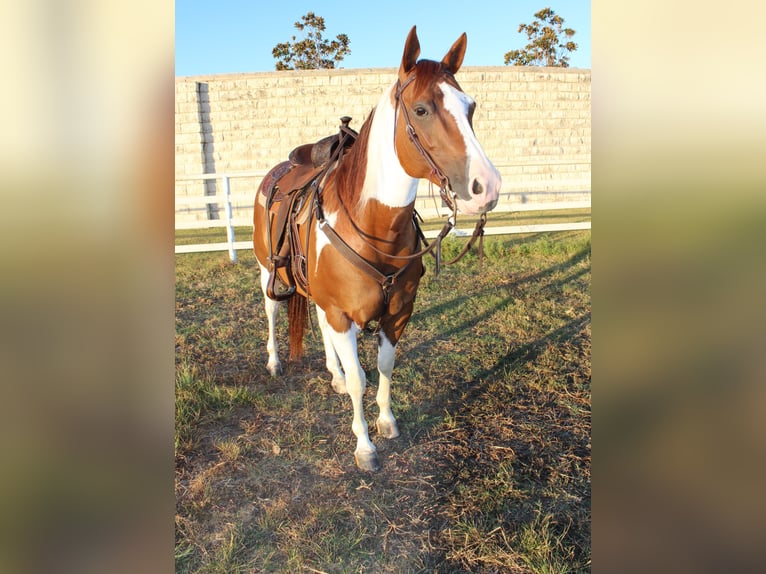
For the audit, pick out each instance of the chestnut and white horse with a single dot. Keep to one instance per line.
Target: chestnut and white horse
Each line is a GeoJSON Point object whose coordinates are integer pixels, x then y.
{"type": "Point", "coordinates": [420, 129]}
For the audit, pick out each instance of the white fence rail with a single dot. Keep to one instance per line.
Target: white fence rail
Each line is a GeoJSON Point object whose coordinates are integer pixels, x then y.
{"type": "Point", "coordinates": [230, 222]}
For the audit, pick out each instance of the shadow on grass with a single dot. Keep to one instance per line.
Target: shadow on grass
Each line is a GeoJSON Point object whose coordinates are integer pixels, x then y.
{"type": "Point", "coordinates": [512, 288]}
{"type": "Point", "coordinates": [507, 438]}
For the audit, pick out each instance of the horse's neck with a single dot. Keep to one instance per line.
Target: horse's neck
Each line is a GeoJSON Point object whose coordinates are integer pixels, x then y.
{"type": "Point", "coordinates": [370, 186]}
{"type": "Point", "coordinates": [385, 180]}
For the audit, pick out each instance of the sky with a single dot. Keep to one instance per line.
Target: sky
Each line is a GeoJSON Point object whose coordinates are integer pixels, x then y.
{"type": "Point", "coordinates": [233, 36]}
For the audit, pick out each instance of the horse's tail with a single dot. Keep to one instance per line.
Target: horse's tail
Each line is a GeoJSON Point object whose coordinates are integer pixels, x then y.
{"type": "Point", "coordinates": [297, 314]}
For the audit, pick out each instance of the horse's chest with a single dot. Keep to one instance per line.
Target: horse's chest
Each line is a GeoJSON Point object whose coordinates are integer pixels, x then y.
{"type": "Point", "coordinates": [338, 285]}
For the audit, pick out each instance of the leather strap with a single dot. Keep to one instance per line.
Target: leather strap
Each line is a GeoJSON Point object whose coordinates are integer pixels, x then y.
{"type": "Point", "coordinates": [385, 281]}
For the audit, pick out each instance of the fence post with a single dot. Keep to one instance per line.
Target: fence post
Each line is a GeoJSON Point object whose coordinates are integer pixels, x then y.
{"type": "Point", "coordinates": [229, 225]}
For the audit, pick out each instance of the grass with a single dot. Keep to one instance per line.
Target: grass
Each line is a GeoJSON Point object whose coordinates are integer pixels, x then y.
{"type": "Point", "coordinates": [491, 472]}
{"type": "Point", "coordinates": [218, 234]}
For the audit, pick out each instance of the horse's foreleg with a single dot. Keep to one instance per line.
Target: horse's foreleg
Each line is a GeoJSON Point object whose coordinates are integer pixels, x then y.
{"type": "Point", "coordinates": [386, 423]}
{"type": "Point", "coordinates": [272, 309]}
{"type": "Point", "coordinates": [338, 379]}
{"type": "Point", "coordinates": [345, 345]}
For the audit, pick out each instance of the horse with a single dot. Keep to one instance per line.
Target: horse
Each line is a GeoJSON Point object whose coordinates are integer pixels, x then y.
{"type": "Point", "coordinates": [354, 235]}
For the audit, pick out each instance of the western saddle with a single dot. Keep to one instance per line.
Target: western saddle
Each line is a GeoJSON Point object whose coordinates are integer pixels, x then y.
{"type": "Point", "coordinates": [290, 190]}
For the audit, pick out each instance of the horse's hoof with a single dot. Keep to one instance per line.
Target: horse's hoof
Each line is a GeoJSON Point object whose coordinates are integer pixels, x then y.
{"type": "Point", "coordinates": [275, 370]}
{"type": "Point", "coordinates": [367, 461]}
{"type": "Point", "coordinates": [387, 429]}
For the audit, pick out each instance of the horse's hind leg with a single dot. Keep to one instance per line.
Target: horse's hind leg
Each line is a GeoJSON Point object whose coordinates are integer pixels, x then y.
{"type": "Point", "coordinates": [386, 423]}
{"type": "Point", "coordinates": [272, 309]}
{"type": "Point", "coordinates": [338, 379]}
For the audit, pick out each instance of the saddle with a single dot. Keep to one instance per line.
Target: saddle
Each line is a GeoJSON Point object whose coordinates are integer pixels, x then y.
{"type": "Point", "coordinates": [290, 189]}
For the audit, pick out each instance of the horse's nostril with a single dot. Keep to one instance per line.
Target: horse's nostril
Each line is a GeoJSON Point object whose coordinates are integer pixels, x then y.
{"type": "Point", "coordinates": [477, 188]}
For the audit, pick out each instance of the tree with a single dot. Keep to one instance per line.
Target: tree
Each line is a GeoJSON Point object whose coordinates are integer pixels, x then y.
{"type": "Point", "coordinates": [545, 47]}
{"type": "Point", "coordinates": [313, 51]}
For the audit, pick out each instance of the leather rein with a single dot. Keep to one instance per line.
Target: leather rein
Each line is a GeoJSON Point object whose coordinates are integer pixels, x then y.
{"type": "Point", "coordinates": [386, 281]}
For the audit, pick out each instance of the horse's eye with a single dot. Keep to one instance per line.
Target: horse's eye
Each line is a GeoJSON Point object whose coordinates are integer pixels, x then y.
{"type": "Point", "coordinates": [421, 112]}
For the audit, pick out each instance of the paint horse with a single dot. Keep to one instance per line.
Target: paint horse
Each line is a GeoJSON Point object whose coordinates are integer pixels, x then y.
{"type": "Point", "coordinates": [337, 224]}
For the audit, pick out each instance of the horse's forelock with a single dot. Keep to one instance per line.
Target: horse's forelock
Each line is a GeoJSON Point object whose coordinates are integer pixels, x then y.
{"type": "Point", "coordinates": [428, 73]}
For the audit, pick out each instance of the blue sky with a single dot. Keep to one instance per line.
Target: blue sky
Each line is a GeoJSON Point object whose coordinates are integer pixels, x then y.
{"type": "Point", "coordinates": [230, 36]}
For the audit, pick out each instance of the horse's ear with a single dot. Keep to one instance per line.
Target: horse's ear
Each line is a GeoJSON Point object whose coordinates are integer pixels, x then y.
{"type": "Point", "coordinates": [411, 53]}
{"type": "Point", "coordinates": [454, 58]}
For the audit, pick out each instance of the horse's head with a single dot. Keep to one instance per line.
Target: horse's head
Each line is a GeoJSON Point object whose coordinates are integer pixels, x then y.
{"type": "Point", "coordinates": [432, 105]}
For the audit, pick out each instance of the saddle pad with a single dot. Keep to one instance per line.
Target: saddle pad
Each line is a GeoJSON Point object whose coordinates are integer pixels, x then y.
{"type": "Point", "coordinates": [271, 179]}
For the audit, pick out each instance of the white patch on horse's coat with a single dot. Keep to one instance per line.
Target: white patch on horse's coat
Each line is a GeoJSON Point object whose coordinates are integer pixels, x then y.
{"type": "Point", "coordinates": [272, 307]}
{"type": "Point", "coordinates": [386, 422]}
{"type": "Point", "coordinates": [331, 357]}
{"type": "Point", "coordinates": [345, 345]}
{"type": "Point", "coordinates": [321, 238]}
{"type": "Point", "coordinates": [386, 179]}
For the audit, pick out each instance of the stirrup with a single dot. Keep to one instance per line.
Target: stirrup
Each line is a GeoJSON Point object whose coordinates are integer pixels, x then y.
{"type": "Point", "coordinates": [272, 293]}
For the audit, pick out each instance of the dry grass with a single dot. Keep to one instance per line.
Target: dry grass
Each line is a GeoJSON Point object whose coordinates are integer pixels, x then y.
{"type": "Point", "coordinates": [492, 392]}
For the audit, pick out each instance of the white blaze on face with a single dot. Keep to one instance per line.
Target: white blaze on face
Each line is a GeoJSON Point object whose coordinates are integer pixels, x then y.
{"type": "Point", "coordinates": [458, 104]}
{"type": "Point", "coordinates": [483, 179]}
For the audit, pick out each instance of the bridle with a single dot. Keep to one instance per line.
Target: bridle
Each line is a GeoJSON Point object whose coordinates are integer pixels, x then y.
{"type": "Point", "coordinates": [413, 137]}
{"type": "Point", "coordinates": [444, 190]}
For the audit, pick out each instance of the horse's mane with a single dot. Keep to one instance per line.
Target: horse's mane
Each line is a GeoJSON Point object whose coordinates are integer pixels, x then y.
{"type": "Point", "coordinates": [349, 178]}
{"type": "Point", "coordinates": [426, 71]}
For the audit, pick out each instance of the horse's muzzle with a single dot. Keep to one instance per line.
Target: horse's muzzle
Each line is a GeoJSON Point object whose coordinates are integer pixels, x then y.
{"type": "Point", "coordinates": [484, 193]}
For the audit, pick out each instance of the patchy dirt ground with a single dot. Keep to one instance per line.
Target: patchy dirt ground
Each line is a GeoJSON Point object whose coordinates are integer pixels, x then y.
{"type": "Point", "coordinates": [491, 472]}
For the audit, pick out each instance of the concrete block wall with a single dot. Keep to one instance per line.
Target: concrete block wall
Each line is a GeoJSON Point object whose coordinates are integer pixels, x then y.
{"type": "Point", "coordinates": [534, 123]}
